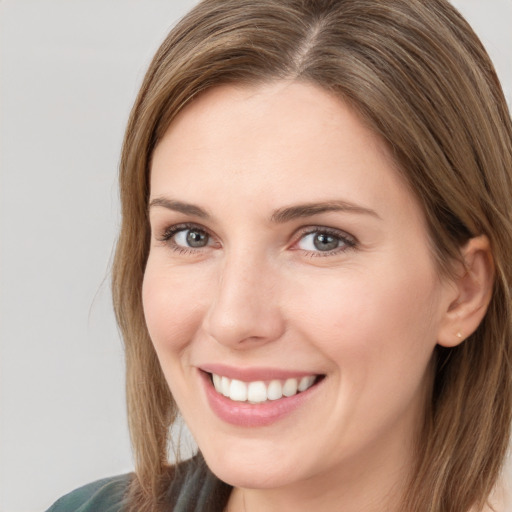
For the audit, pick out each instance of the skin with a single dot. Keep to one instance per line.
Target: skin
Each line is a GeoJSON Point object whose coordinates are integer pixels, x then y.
{"type": "Point", "coordinates": [366, 315]}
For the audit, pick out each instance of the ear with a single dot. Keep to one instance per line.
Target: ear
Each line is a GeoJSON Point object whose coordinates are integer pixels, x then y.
{"type": "Point", "coordinates": [472, 289]}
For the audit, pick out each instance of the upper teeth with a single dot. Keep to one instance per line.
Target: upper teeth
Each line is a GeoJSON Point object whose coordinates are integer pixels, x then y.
{"type": "Point", "coordinates": [260, 391]}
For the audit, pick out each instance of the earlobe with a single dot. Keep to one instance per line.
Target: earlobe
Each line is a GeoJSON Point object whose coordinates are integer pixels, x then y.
{"type": "Point", "coordinates": [473, 286]}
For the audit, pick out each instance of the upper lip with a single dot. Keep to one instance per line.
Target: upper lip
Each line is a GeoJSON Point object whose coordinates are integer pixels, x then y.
{"type": "Point", "coordinates": [254, 373]}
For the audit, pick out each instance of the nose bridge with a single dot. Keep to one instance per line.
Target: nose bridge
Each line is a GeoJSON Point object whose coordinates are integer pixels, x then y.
{"type": "Point", "coordinates": [245, 304]}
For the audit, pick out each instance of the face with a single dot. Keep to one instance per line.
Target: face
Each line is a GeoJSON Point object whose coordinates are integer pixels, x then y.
{"type": "Point", "coordinates": [290, 270]}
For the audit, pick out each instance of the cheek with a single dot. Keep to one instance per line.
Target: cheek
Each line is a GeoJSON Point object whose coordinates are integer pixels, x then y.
{"type": "Point", "coordinates": [379, 336]}
{"type": "Point", "coordinates": [173, 306]}
{"type": "Point", "coordinates": [372, 323]}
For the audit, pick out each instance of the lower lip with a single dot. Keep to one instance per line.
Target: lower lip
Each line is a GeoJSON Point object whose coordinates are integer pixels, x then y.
{"type": "Point", "coordinates": [244, 414]}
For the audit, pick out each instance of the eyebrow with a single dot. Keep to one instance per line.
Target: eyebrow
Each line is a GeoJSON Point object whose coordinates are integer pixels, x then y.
{"type": "Point", "coordinates": [178, 206]}
{"type": "Point", "coordinates": [309, 209]}
{"type": "Point", "coordinates": [279, 216]}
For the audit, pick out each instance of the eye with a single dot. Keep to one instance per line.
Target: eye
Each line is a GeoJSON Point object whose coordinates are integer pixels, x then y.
{"type": "Point", "coordinates": [326, 241]}
{"type": "Point", "coordinates": [186, 237]}
{"type": "Point", "coordinates": [191, 238]}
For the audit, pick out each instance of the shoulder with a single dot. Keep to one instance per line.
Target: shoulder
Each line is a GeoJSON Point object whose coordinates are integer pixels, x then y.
{"type": "Point", "coordinates": [106, 495]}
{"type": "Point", "coordinates": [194, 488]}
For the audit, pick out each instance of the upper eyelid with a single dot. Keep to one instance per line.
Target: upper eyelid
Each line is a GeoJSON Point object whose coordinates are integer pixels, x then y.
{"type": "Point", "coordinates": [307, 230]}
{"type": "Point", "coordinates": [302, 230]}
{"type": "Point", "coordinates": [183, 226]}
{"type": "Point", "coordinates": [314, 228]}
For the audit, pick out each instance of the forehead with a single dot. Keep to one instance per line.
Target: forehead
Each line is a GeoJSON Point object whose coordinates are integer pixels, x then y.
{"type": "Point", "coordinates": [281, 108]}
{"type": "Point", "coordinates": [282, 141]}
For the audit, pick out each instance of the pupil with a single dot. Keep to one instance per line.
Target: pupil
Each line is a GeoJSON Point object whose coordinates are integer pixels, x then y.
{"type": "Point", "coordinates": [325, 242]}
{"type": "Point", "coordinates": [196, 239]}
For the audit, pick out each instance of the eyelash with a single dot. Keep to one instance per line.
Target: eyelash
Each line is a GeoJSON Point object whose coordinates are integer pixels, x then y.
{"type": "Point", "coordinates": [170, 232]}
{"type": "Point", "coordinates": [348, 240]}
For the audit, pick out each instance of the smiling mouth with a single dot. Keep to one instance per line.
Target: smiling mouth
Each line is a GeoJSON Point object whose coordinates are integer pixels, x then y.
{"type": "Point", "coordinates": [258, 392]}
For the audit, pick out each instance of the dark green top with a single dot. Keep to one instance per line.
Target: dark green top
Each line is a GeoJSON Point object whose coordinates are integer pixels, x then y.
{"type": "Point", "coordinates": [104, 495]}
{"type": "Point", "coordinates": [194, 489]}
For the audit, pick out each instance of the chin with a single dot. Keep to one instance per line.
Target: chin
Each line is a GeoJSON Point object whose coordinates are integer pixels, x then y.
{"type": "Point", "coordinates": [260, 467]}
{"type": "Point", "coordinates": [248, 475]}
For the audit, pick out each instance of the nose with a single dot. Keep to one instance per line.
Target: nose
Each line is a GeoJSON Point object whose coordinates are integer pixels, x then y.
{"type": "Point", "coordinates": [245, 307]}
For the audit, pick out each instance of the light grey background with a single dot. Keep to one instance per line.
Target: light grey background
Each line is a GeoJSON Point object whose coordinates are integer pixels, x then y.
{"type": "Point", "coordinates": [69, 71]}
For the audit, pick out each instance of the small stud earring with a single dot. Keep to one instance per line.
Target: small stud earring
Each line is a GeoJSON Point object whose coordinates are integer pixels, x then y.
{"type": "Point", "coordinates": [459, 335]}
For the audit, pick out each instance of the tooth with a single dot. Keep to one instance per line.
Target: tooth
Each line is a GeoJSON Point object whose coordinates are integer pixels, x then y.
{"type": "Point", "coordinates": [275, 390]}
{"type": "Point", "coordinates": [306, 382]}
{"type": "Point", "coordinates": [290, 387]}
{"type": "Point", "coordinates": [238, 391]}
{"type": "Point", "coordinates": [217, 383]}
{"type": "Point", "coordinates": [224, 385]}
{"type": "Point", "coordinates": [257, 392]}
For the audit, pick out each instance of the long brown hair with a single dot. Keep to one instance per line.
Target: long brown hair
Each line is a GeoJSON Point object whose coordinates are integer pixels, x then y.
{"type": "Point", "coordinates": [420, 78]}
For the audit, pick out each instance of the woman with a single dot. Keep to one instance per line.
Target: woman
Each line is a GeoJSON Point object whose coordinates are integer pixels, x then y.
{"type": "Point", "coordinates": [313, 266]}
